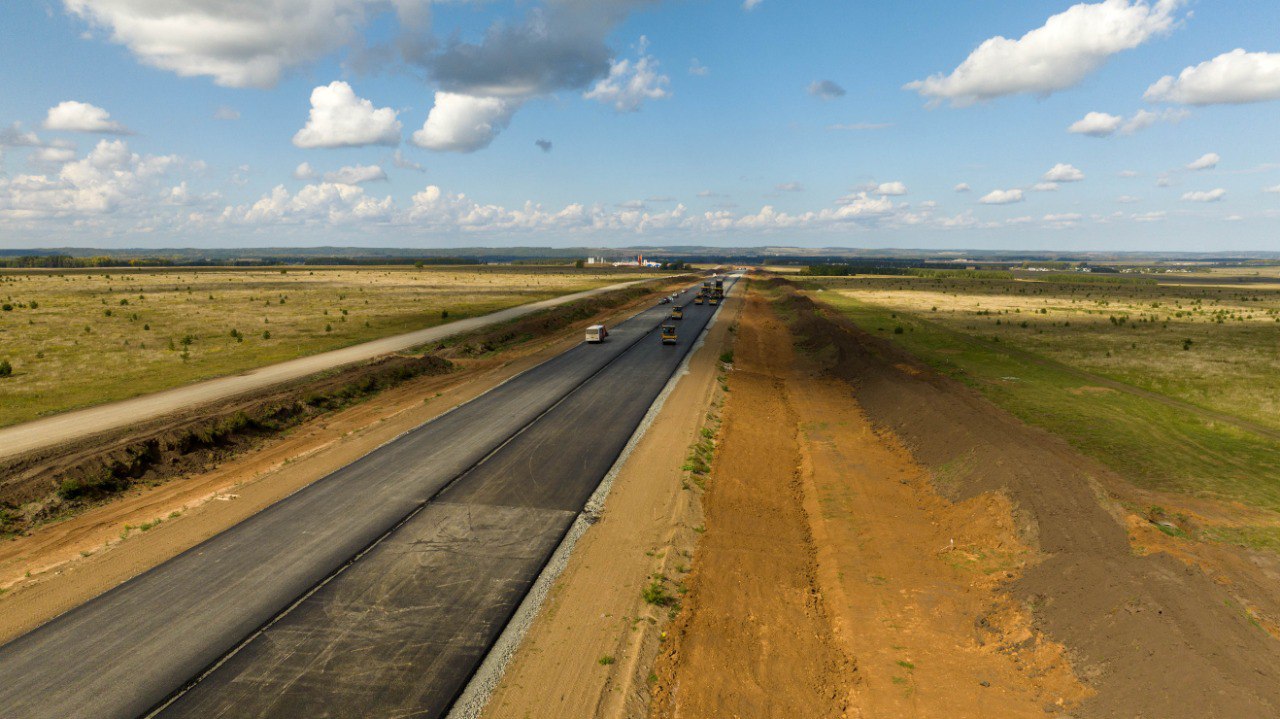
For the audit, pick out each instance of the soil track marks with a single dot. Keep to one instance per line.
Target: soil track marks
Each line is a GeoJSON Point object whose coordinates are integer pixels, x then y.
{"type": "Point", "coordinates": [1151, 635]}
{"type": "Point", "coordinates": [755, 638]}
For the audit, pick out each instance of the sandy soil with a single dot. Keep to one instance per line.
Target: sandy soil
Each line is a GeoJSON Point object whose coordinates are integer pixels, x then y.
{"type": "Point", "coordinates": [62, 565]}
{"type": "Point", "coordinates": [595, 608]}
{"type": "Point", "coordinates": [834, 581]}
{"type": "Point", "coordinates": [1149, 635]}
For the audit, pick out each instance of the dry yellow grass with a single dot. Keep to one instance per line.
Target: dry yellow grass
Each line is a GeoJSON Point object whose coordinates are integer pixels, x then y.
{"type": "Point", "coordinates": [77, 338]}
{"type": "Point", "coordinates": [1136, 333]}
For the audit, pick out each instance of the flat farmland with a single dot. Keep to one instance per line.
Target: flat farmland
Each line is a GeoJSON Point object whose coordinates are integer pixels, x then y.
{"type": "Point", "coordinates": [76, 338]}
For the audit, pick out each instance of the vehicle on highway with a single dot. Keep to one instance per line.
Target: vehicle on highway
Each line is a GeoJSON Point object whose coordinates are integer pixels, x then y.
{"type": "Point", "coordinates": [597, 334]}
{"type": "Point", "coordinates": [697, 300]}
{"type": "Point", "coordinates": [664, 301]}
{"type": "Point", "coordinates": [668, 334]}
{"type": "Point", "coordinates": [714, 300]}
{"type": "Point", "coordinates": [677, 312]}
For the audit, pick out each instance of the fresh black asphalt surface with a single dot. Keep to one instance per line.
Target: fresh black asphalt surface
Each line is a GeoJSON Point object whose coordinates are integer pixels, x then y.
{"type": "Point", "coordinates": [399, 631]}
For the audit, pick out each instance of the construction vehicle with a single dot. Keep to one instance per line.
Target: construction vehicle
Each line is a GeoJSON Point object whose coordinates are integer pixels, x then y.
{"type": "Point", "coordinates": [668, 334]}
{"type": "Point", "coordinates": [697, 300]}
{"type": "Point", "coordinates": [596, 334]}
{"type": "Point", "coordinates": [720, 285]}
{"type": "Point", "coordinates": [677, 312]}
{"type": "Point", "coordinates": [713, 300]}
{"type": "Point", "coordinates": [706, 287]}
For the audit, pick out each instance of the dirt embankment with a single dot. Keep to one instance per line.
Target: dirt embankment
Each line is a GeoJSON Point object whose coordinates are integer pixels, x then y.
{"type": "Point", "coordinates": [57, 483]}
{"type": "Point", "coordinates": [1150, 635]}
{"type": "Point", "coordinates": [832, 580]}
{"type": "Point", "coordinates": [755, 636]}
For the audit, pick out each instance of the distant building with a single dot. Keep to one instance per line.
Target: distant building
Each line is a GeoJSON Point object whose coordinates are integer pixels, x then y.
{"type": "Point", "coordinates": [639, 261]}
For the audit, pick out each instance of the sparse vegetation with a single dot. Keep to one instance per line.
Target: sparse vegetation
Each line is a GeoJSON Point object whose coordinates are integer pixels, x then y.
{"type": "Point", "coordinates": [1199, 346]}
{"type": "Point", "coordinates": [196, 316]}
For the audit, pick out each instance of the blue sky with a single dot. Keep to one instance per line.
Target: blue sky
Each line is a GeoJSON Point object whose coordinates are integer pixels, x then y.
{"type": "Point", "coordinates": [413, 123]}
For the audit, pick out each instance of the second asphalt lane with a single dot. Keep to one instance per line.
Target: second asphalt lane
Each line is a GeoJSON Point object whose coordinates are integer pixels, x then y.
{"type": "Point", "coordinates": [397, 632]}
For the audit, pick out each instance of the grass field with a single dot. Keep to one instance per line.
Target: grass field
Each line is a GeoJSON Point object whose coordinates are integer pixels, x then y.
{"type": "Point", "coordinates": [77, 338]}
{"type": "Point", "coordinates": [1032, 348]}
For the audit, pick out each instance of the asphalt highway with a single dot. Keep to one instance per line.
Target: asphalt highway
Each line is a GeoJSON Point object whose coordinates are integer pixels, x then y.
{"type": "Point", "coordinates": [375, 591]}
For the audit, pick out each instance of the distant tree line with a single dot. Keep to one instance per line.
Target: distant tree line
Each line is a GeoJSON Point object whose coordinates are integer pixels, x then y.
{"type": "Point", "coordinates": [847, 270]}
{"type": "Point", "coordinates": [69, 262]}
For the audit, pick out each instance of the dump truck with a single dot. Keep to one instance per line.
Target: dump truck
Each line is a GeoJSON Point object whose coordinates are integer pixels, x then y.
{"type": "Point", "coordinates": [677, 312]}
{"type": "Point", "coordinates": [720, 285]}
{"type": "Point", "coordinates": [713, 300]}
{"type": "Point", "coordinates": [668, 334]}
{"type": "Point", "coordinates": [597, 334]}
{"type": "Point", "coordinates": [698, 300]}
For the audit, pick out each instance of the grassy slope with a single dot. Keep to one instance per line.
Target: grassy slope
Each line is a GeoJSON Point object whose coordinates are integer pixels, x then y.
{"type": "Point", "coordinates": [69, 352]}
{"type": "Point", "coordinates": [1156, 446]}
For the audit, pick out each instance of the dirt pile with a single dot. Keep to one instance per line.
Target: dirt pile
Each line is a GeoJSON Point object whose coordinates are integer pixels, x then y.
{"type": "Point", "coordinates": [1152, 636]}
{"type": "Point", "coordinates": [49, 484]}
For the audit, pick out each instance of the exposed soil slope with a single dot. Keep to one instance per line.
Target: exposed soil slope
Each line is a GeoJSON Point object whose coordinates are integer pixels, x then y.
{"type": "Point", "coordinates": [1151, 635]}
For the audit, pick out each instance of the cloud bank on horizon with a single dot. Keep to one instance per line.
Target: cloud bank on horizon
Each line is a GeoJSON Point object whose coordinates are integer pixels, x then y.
{"type": "Point", "coordinates": [418, 122]}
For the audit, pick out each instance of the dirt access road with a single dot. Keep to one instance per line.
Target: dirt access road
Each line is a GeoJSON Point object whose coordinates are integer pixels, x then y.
{"type": "Point", "coordinates": [882, 542]}
{"type": "Point", "coordinates": [83, 423]}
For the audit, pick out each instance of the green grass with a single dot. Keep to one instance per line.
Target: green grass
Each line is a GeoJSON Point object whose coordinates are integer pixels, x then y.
{"type": "Point", "coordinates": [1150, 443]}
{"type": "Point", "coordinates": [74, 339]}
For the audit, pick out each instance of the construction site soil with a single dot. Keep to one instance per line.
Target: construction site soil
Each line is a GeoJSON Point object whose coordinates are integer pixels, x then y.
{"type": "Point", "coordinates": [1150, 635]}
{"type": "Point", "coordinates": [881, 541]}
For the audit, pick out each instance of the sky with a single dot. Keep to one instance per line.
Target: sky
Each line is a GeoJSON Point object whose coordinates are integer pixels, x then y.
{"type": "Point", "coordinates": [1005, 124]}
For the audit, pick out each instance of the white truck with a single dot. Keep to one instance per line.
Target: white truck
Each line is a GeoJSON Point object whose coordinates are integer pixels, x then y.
{"type": "Point", "coordinates": [596, 334]}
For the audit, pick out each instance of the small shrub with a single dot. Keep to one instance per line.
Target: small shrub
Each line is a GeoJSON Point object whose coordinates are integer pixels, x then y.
{"type": "Point", "coordinates": [606, 660]}
{"type": "Point", "coordinates": [656, 594]}
{"type": "Point", "coordinates": [727, 357]}
{"type": "Point", "coordinates": [6, 369]}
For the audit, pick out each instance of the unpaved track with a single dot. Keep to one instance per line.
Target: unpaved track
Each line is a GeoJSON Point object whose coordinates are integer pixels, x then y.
{"type": "Point", "coordinates": [83, 423]}
{"type": "Point", "coordinates": [1151, 636]}
{"type": "Point", "coordinates": [755, 637]}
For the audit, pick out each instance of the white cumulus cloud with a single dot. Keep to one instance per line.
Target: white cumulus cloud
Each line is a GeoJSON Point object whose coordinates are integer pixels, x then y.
{"type": "Point", "coordinates": [1207, 161]}
{"type": "Point", "coordinates": [1096, 124]}
{"type": "Point", "coordinates": [1063, 173]}
{"type": "Point", "coordinates": [1101, 124]}
{"type": "Point", "coordinates": [1067, 48]}
{"type": "Point", "coordinates": [890, 188]}
{"type": "Point", "coordinates": [341, 119]}
{"type": "Point", "coordinates": [1231, 78]}
{"type": "Point", "coordinates": [464, 123]}
{"type": "Point", "coordinates": [631, 82]}
{"type": "Point", "coordinates": [1208, 196]}
{"type": "Point", "coordinates": [355, 175]}
{"type": "Point", "coordinates": [72, 116]}
{"type": "Point", "coordinates": [963, 187]}
{"type": "Point", "coordinates": [238, 44]}
{"type": "Point", "coordinates": [1002, 197]}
